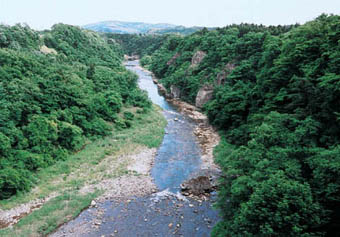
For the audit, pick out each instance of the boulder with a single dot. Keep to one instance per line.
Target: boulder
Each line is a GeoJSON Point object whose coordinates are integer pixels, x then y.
{"type": "Point", "coordinates": [204, 95]}
{"type": "Point", "coordinates": [197, 186]}
{"type": "Point", "coordinates": [197, 58]}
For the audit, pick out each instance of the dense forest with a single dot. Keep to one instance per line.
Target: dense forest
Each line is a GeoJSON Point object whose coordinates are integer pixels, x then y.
{"type": "Point", "coordinates": [138, 44]}
{"type": "Point", "coordinates": [276, 103]}
{"type": "Point", "coordinates": [58, 90]}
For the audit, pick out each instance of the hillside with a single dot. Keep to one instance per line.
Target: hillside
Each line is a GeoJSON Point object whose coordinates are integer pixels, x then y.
{"type": "Point", "coordinates": [273, 93]}
{"type": "Point", "coordinates": [59, 89]}
{"type": "Point", "coordinates": [133, 44]}
{"type": "Point", "coordinates": [122, 27]}
{"type": "Point", "coordinates": [73, 123]}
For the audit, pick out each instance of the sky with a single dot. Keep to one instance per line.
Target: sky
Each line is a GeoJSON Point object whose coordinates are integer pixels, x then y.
{"type": "Point", "coordinates": [42, 14]}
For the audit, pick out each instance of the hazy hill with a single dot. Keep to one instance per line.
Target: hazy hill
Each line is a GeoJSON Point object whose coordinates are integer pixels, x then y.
{"type": "Point", "coordinates": [122, 27]}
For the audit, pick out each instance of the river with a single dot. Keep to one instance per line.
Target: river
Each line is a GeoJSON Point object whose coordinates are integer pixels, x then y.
{"type": "Point", "coordinates": [166, 213]}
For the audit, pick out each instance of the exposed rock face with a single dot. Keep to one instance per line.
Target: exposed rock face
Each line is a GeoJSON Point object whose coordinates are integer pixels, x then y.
{"type": "Point", "coordinates": [204, 95]}
{"type": "Point", "coordinates": [173, 59]}
{"type": "Point", "coordinates": [46, 50]}
{"type": "Point", "coordinates": [197, 58]}
{"type": "Point", "coordinates": [162, 90]}
{"type": "Point", "coordinates": [224, 73]}
{"type": "Point", "coordinates": [175, 92]}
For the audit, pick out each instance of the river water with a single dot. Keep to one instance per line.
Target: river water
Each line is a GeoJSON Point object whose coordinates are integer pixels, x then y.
{"type": "Point", "coordinates": [166, 213]}
{"type": "Point", "coordinates": [179, 154]}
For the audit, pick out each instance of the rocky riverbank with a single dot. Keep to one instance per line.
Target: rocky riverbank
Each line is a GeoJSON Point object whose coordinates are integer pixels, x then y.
{"type": "Point", "coordinates": [178, 161]}
{"type": "Point", "coordinates": [207, 136]}
{"type": "Point", "coordinates": [138, 182]}
{"type": "Point", "coordinates": [201, 183]}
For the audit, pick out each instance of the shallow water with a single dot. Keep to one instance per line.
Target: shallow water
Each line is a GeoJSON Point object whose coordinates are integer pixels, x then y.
{"type": "Point", "coordinates": [165, 213]}
{"type": "Point", "coordinates": [179, 154]}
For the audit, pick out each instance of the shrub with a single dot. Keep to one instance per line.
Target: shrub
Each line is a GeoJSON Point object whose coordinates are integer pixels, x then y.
{"type": "Point", "coordinates": [13, 180]}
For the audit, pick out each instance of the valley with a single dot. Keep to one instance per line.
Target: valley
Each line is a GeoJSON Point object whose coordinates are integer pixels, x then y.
{"type": "Point", "coordinates": [165, 212]}
{"type": "Point", "coordinates": [230, 131]}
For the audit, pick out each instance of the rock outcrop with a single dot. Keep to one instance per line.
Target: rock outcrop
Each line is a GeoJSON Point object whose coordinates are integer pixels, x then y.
{"type": "Point", "coordinates": [204, 95]}
{"type": "Point", "coordinates": [229, 67]}
{"type": "Point", "coordinates": [175, 92]}
{"type": "Point", "coordinates": [162, 90]}
{"type": "Point", "coordinates": [197, 58]}
{"type": "Point", "coordinates": [173, 59]}
{"type": "Point", "coordinates": [46, 50]}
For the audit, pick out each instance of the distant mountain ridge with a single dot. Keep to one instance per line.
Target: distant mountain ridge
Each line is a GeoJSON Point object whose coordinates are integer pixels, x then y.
{"type": "Point", "coordinates": [122, 27]}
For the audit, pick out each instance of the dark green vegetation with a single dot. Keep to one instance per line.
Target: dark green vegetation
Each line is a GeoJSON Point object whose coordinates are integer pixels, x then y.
{"type": "Point", "coordinates": [51, 104]}
{"type": "Point", "coordinates": [276, 101]}
{"type": "Point", "coordinates": [70, 180]}
{"type": "Point", "coordinates": [141, 44]}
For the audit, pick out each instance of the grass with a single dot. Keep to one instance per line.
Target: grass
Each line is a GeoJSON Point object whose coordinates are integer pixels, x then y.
{"type": "Point", "coordinates": [99, 160]}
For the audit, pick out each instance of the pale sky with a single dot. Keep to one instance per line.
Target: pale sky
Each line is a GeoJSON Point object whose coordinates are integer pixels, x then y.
{"type": "Point", "coordinates": [42, 14]}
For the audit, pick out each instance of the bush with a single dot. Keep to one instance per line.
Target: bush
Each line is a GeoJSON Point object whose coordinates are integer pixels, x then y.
{"type": "Point", "coordinates": [128, 115]}
{"type": "Point", "coordinates": [146, 61]}
{"type": "Point", "coordinates": [13, 180]}
{"type": "Point", "coordinates": [5, 145]}
{"type": "Point", "coordinates": [70, 136]}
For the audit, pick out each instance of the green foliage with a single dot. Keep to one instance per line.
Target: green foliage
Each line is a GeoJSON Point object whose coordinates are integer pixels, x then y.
{"type": "Point", "coordinates": [83, 46]}
{"type": "Point", "coordinates": [133, 44]}
{"type": "Point", "coordinates": [51, 103]}
{"type": "Point", "coordinates": [19, 37]}
{"type": "Point", "coordinates": [13, 180]}
{"type": "Point", "coordinates": [128, 115]}
{"type": "Point", "coordinates": [276, 104]}
{"type": "Point", "coordinates": [70, 136]}
{"type": "Point", "coordinates": [146, 61]}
